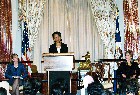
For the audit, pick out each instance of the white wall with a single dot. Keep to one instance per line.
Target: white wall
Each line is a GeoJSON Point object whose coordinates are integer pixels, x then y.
{"type": "Point", "coordinates": [16, 34]}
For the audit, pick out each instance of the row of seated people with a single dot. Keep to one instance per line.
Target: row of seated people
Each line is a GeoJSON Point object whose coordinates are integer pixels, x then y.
{"type": "Point", "coordinates": [127, 72]}
{"type": "Point", "coordinates": [60, 87]}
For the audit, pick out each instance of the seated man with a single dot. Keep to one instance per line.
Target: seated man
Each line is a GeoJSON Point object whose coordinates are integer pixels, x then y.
{"type": "Point", "coordinates": [96, 88]}
{"type": "Point", "coordinates": [138, 61]}
{"type": "Point", "coordinates": [56, 89]}
{"type": "Point", "coordinates": [3, 91]}
{"type": "Point", "coordinates": [60, 87]}
{"type": "Point", "coordinates": [32, 86]}
{"type": "Point", "coordinates": [15, 72]}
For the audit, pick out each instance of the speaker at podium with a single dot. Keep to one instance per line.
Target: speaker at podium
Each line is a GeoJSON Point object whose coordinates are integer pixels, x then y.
{"type": "Point", "coordinates": [58, 66]}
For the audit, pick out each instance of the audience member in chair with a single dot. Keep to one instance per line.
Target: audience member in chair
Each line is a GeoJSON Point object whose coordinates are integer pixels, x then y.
{"type": "Point", "coordinates": [56, 89]}
{"type": "Point", "coordinates": [3, 91]}
{"type": "Point", "coordinates": [139, 70]}
{"type": "Point", "coordinates": [127, 75]}
{"type": "Point", "coordinates": [32, 86]}
{"type": "Point", "coordinates": [15, 72]}
{"type": "Point", "coordinates": [96, 88]}
{"type": "Point", "coordinates": [58, 46]}
{"type": "Point", "coordinates": [60, 87]}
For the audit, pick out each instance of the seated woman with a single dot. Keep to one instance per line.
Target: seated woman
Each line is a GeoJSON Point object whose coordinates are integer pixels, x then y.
{"type": "Point", "coordinates": [15, 72]}
{"type": "Point", "coordinates": [127, 75]}
{"type": "Point", "coordinates": [58, 46]}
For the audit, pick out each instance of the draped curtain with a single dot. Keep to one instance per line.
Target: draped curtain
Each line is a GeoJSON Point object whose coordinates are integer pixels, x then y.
{"type": "Point", "coordinates": [5, 30]}
{"type": "Point", "coordinates": [73, 18]}
{"type": "Point", "coordinates": [131, 22]}
{"type": "Point", "coordinates": [104, 12]}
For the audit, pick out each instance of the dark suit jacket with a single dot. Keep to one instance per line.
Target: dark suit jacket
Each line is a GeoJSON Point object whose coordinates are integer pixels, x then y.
{"type": "Point", "coordinates": [53, 49]}
{"type": "Point", "coordinates": [11, 71]}
{"type": "Point", "coordinates": [129, 71]}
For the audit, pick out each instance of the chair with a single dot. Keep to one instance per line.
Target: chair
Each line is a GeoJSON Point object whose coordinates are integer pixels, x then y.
{"type": "Point", "coordinates": [20, 89]}
{"type": "Point", "coordinates": [103, 73]}
{"type": "Point", "coordinates": [107, 84]}
{"type": "Point", "coordinates": [5, 84]}
{"type": "Point", "coordinates": [3, 81]}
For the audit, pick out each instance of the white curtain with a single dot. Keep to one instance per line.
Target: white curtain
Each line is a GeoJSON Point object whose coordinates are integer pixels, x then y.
{"type": "Point", "coordinates": [73, 18]}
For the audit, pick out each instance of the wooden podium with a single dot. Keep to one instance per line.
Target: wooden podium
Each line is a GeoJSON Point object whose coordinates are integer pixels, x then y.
{"type": "Point", "coordinates": [58, 65]}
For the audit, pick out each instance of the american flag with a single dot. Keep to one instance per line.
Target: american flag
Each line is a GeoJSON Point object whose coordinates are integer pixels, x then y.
{"type": "Point", "coordinates": [117, 37]}
{"type": "Point", "coordinates": [26, 48]}
{"type": "Point", "coordinates": [117, 33]}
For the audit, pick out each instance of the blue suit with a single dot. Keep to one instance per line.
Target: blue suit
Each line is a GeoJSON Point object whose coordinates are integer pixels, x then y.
{"type": "Point", "coordinates": [12, 71]}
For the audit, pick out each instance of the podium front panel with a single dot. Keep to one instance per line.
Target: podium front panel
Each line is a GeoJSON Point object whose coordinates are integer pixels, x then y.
{"type": "Point", "coordinates": [58, 66]}
{"type": "Point", "coordinates": [58, 63]}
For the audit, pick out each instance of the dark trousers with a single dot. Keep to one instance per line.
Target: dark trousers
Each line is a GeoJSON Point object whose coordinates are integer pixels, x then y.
{"type": "Point", "coordinates": [128, 86]}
